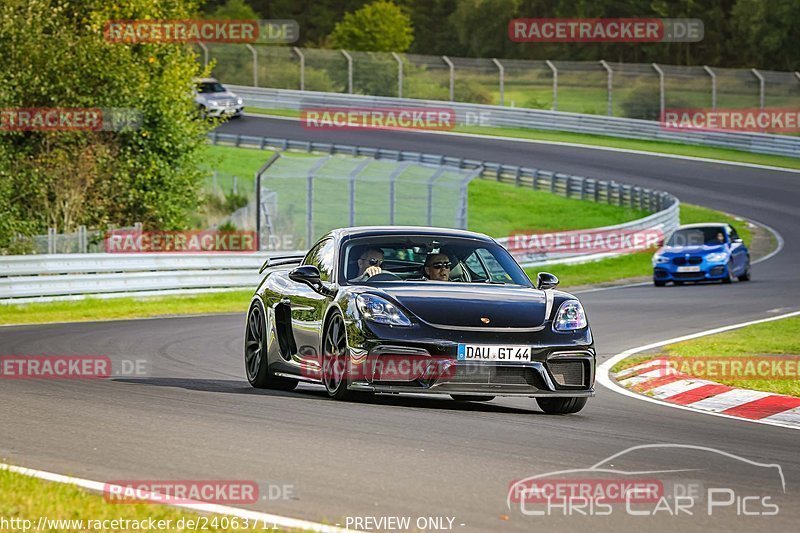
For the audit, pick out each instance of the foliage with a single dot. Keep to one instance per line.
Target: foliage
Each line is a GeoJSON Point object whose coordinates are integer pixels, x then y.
{"type": "Point", "coordinates": [379, 27]}
{"type": "Point", "coordinates": [54, 55]}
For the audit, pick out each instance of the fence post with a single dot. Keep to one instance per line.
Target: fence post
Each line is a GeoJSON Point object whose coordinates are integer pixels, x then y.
{"type": "Point", "coordinates": [610, 86]}
{"type": "Point", "coordinates": [502, 72]}
{"type": "Point", "coordinates": [349, 71]}
{"type": "Point", "coordinates": [399, 74]}
{"type": "Point", "coordinates": [555, 84]}
{"type": "Point", "coordinates": [713, 87]}
{"type": "Point", "coordinates": [392, 177]}
{"type": "Point", "coordinates": [452, 76]}
{"type": "Point", "coordinates": [205, 53]}
{"type": "Point", "coordinates": [51, 240]}
{"type": "Point", "coordinates": [255, 64]}
{"type": "Point", "coordinates": [433, 178]}
{"type": "Point", "coordinates": [352, 189]}
{"type": "Point", "coordinates": [297, 51]}
{"type": "Point", "coordinates": [83, 243]}
{"type": "Point", "coordinates": [660, 90]}
{"type": "Point", "coordinates": [760, 78]}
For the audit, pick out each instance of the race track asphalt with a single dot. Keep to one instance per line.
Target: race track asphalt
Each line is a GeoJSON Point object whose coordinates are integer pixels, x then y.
{"type": "Point", "coordinates": [195, 417]}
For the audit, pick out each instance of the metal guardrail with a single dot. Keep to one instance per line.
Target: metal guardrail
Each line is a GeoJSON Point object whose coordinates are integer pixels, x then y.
{"type": "Point", "coordinates": [69, 276]}
{"type": "Point", "coordinates": [499, 116]}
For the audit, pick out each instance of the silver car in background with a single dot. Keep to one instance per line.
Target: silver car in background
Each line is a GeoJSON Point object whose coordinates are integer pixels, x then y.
{"type": "Point", "coordinates": [214, 100]}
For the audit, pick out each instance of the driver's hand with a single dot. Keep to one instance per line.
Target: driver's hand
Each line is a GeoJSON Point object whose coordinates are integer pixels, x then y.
{"type": "Point", "coordinates": [371, 271]}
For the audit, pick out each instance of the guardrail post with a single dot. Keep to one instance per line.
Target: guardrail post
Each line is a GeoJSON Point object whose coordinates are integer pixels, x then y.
{"type": "Point", "coordinates": [713, 87]}
{"type": "Point", "coordinates": [399, 74]}
{"type": "Point", "coordinates": [255, 64]}
{"type": "Point", "coordinates": [349, 71]}
{"type": "Point", "coordinates": [660, 89]}
{"type": "Point", "coordinates": [609, 86]}
{"type": "Point", "coordinates": [555, 84]}
{"type": "Point", "coordinates": [452, 76]}
{"type": "Point", "coordinates": [502, 72]}
{"type": "Point", "coordinates": [568, 185]}
{"type": "Point", "coordinates": [535, 179]}
{"type": "Point", "coordinates": [205, 53]}
{"type": "Point", "coordinates": [302, 57]}
{"type": "Point", "coordinates": [760, 78]}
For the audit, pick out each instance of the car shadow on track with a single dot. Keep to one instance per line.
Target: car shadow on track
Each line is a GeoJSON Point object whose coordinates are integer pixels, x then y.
{"type": "Point", "coordinates": [232, 386]}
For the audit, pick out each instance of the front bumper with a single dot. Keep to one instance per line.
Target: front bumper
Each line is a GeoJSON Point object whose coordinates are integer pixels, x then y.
{"type": "Point", "coordinates": [707, 272]}
{"type": "Point", "coordinates": [218, 112]}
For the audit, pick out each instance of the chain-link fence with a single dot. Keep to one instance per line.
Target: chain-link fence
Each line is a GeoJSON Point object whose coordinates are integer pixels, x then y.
{"type": "Point", "coordinates": [303, 197]}
{"type": "Point", "coordinates": [629, 90]}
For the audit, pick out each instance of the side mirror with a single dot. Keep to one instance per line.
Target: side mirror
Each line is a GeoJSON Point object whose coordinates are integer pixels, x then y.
{"type": "Point", "coordinates": [308, 274]}
{"type": "Point", "coordinates": [546, 280]}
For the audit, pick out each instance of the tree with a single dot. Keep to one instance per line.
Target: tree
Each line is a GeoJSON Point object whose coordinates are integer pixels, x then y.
{"type": "Point", "coordinates": [234, 10]}
{"type": "Point", "coordinates": [55, 55]}
{"type": "Point", "coordinates": [768, 33]}
{"type": "Point", "coordinates": [377, 27]}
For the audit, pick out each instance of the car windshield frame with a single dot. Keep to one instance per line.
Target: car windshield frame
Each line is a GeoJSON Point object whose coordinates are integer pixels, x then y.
{"type": "Point", "coordinates": [709, 236]}
{"type": "Point", "coordinates": [454, 245]}
{"type": "Point", "coordinates": [206, 86]}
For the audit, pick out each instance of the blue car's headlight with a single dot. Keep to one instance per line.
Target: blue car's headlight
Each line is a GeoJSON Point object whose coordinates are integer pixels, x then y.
{"type": "Point", "coordinates": [379, 310]}
{"type": "Point", "coordinates": [660, 260]}
{"type": "Point", "coordinates": [716, 257]}
{"type": "Point", "coordinates": [239, 101]}
{"type": "Point", "coordinates": [570, 316]}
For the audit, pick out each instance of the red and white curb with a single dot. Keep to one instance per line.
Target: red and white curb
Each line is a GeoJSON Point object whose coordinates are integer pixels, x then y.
{"type": "Point", "coordinates": [653, 379]}
{"type": "Point", "coordinates": [649, 382]}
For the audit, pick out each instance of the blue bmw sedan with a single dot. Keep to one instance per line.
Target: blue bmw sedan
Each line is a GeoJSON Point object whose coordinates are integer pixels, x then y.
{"type": "Point", "coordinates": [702, 252]}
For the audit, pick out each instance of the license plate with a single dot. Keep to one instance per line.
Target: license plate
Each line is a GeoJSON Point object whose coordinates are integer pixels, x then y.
{"type": "Point", "coordinates": [480, 352]}
{"type": "Point", "coordinates": [689, 269]}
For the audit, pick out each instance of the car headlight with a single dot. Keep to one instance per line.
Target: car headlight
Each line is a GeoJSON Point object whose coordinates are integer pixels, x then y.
{"type": "Point", "coordinates": [213, 103]}
{"type": "Point", "coordinates": [239, 101]}
{"type": "Point", "coordinates": [716, 257]}
{"type": "Point", "coordinates": [660, 259]}
{"type": "Point", "coordinates": [570, 316]}
{"type": "Point", "coordinates": [381, 311]}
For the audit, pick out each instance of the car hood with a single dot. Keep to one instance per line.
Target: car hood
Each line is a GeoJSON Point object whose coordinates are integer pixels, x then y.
{"type": "Point", "coordinates": [208, 97]}
{"type": "Point", "coordinates": [465, 305]}
{"type": "Point", "coordinates": [700, 249]}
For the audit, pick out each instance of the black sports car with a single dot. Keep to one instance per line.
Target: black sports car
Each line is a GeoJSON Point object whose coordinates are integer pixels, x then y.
{"type": "Point", "coordinates": [418, 310]}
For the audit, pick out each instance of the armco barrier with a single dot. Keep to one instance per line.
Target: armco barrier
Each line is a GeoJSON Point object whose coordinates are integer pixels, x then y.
{"type": "Point", "coordinates": [68, 276]}
{"type": "Point", "coordinates": [500, 116]}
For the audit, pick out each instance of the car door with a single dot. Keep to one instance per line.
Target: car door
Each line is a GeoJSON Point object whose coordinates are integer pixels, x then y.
{"type": "Point", "coordinates": [738, 250]}
{"type": "Point", "coordinates": [308, 306]}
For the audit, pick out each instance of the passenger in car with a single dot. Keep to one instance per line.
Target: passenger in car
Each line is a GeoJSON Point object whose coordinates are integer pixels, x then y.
{"type": "Point", "coordinates": [437, 267]}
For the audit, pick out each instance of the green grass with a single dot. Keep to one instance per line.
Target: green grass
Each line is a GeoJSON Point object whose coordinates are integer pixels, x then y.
{"type": "Point", "coordinates": [777, 338]}
{"type": "Point", "coordinates": [27, 498]}
{"type": "Point", "coordinates": [120, 308]}
{"type": "Point", "coordinates": [636, 266]}
{"type": "Point", "coordinates": [611, 142]}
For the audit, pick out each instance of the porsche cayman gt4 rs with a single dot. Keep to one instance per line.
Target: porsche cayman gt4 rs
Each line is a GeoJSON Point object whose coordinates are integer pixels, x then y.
{"type": "Point", "coordinates": [418, 310]}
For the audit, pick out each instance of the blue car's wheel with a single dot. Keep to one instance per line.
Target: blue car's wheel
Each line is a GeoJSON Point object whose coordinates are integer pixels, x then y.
{"type": "Point", "coordinates": [730, 276]}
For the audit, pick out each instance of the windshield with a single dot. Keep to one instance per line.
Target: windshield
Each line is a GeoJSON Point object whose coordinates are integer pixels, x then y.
{"type": "Point", "coordinates": [429, 258]}
{"type": "Point", "coordinates": [709, 236]}
{"type": "Point", "coordinates": [210, 87]}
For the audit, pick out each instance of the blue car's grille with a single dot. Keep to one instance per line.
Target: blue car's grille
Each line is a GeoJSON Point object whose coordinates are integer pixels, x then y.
{"type": "Point", "coordinates": [691, 260]}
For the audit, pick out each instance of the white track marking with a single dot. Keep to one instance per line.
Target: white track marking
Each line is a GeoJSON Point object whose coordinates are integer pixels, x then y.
{"type": "Point", "coordinates": [201, 507]}
{"type": "Point", "coordinates": [790, 416]}
{"type": "Point", "coordinates": [677, 387]}
{"type": "Point", "coordinates": [604, 372]}
{"type": "Point", "coordinates": [577, 145]}
{"type": "Point", "coordinates": [731, 398]}
{"type": "Point", "coordinates": [633, 369]}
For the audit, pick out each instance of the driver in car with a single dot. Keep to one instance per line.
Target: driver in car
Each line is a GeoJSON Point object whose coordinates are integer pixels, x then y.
{"type": "Point", "coordinates": [369, 264]}
{"type": "Point", "coordinates": [437, 267]}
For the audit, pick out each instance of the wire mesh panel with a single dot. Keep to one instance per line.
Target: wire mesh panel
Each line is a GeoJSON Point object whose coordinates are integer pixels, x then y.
{"type": "Point", "coordinates": [781, 89]}
{"type": "Point", "coordinates": [737, 88]}
{"type": "Point", "coordinates": [636, 91]}
{"type": "Point", "coordinates": [233, 63]}
{"type": "Point", "coordinates": [309, 196]}
{"type": "Point", "coordinates": [426, 77]}
{"type": "Point", "coordinates": [326, 70]}
{"type": "Point", "coordinates": [477, 81]}
{"type": "Point", "coordinates": [686, 87]}
{"type": "Point", "coordinates": [375, 74]}
{"type": "Point", "coordinates": [528, 84]}
{"type": "Point", "coordinates": [278, 67]}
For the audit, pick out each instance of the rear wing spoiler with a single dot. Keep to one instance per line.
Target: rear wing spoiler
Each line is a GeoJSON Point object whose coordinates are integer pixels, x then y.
{"type": "Point", "coordinates": [280, 260]}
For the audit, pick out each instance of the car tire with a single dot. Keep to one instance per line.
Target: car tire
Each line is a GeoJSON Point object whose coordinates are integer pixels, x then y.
{"type": "Point", "coordinates": [746, 274]}
{"type": "Point", "coordinates": [561, 406]}
{"type": "Point", "coordinates": [256, 366]}
{"type": "Point", "coordinates": [471, 398]}
{"type": "Point", "coordinates": [335, 358]}
{"type": "Point", "coordinates": [659, 283]}
{"type": "Point", "coordinates": [729, 277]}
